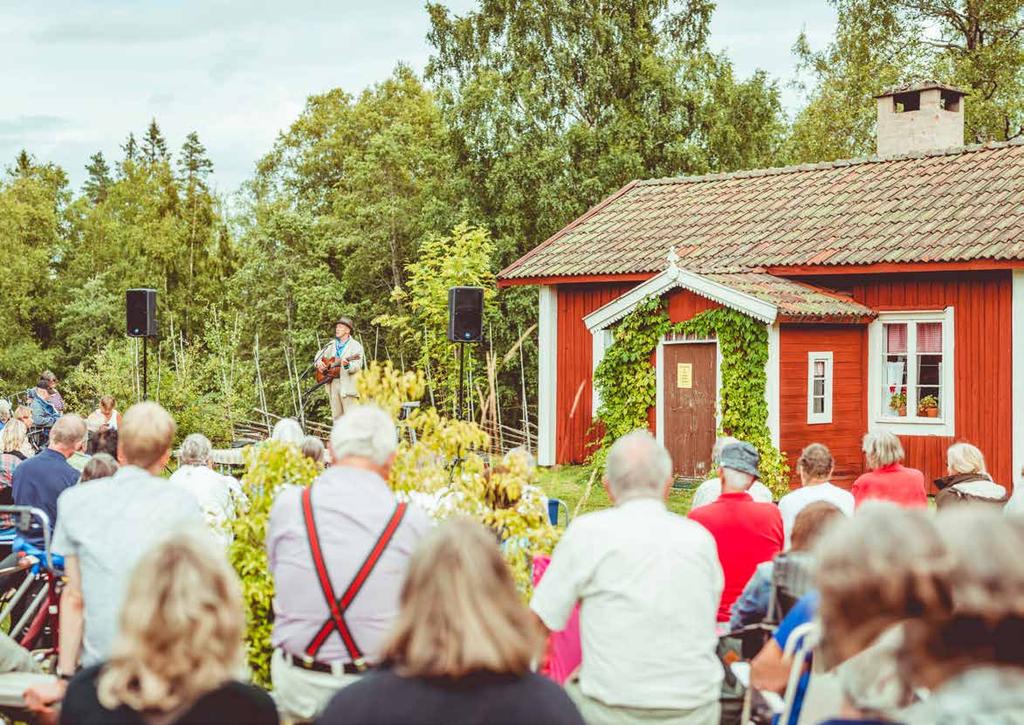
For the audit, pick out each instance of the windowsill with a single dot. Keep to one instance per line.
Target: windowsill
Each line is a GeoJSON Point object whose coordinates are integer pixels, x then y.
{"type": "Point", "coordinates": [915, 426]}
{"type": "Point", "coordinates": [917, 420]}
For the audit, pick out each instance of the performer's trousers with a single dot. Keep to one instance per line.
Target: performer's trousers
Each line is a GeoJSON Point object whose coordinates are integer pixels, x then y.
{"type": "Point", "coordinates": [339, 400]}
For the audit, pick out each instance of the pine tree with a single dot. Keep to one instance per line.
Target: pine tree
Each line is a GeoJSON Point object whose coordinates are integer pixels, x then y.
{"type": "Point", "coordinates": [154, 147]}
{"type": "Point", "coordinates": [23, 164]}
{"type": "Point", "coordinates": [96, 186]}
{"type": "Point", "coordinates": [131, 149]}
{"type": "Point", "coordinates": [193, 164]}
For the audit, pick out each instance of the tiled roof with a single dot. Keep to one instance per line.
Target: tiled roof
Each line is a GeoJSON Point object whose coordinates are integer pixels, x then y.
{"type": "Point", "coordinates": [957, 205]}
{"type": "Point", "coordinates": [794, 299]}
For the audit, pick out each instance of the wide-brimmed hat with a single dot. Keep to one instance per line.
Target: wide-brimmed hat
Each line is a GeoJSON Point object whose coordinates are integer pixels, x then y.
{"type": "Point", "coordinates": [347, 322]}
{"type": "Point", "coordinates": [741, 456]}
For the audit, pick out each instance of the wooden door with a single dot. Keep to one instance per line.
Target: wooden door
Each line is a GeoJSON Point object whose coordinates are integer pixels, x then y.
{"type": "Point", "coordinates": [690, 400]}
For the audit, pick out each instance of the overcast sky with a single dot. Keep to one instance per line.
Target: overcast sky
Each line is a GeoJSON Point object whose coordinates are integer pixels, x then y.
{"type": "Point", "coordinates": [77, 75]}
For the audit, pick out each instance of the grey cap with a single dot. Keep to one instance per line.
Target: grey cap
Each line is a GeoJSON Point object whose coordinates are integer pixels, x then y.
{"type": "Point", "coordinates": [741, 456]}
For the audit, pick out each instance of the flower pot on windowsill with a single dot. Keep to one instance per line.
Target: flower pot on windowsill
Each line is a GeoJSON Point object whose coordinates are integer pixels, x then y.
{"type": "Point", "coordinates": [931, 412]}
{"type": "Point", "coordinates": [902, 411]}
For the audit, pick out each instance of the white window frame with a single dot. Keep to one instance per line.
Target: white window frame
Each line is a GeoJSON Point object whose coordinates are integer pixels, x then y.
{"type": "Point", "coordinates": [911, 424]}
{"type": "Point", "coordinates": [602, 340]}
{"type": "Point", "coordinates": [826, 415]}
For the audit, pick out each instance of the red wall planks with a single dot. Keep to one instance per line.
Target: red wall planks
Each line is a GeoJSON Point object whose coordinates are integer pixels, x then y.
{"type": "Point", "coordinates": [573, 399]}
{"type": "Point", "coordinates": [982, 303]}
{"type": "Point", "coordinates": [849, 376]}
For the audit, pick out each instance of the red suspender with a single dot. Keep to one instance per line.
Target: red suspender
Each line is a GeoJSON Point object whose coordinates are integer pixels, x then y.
{"type": "Point", "coordinates": [337, 606]}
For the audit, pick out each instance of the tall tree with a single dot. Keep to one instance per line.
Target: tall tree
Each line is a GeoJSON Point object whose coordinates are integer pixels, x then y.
{"type": "Point", "coordinates": [99, 180]}
{"type": "Point", "coordinates": [154, 145]}
{"type": "Point", "coordinates": [974, 44]}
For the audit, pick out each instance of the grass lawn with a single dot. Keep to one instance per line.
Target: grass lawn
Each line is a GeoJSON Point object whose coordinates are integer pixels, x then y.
{"type": "Point", "coordinates": [569, 483]}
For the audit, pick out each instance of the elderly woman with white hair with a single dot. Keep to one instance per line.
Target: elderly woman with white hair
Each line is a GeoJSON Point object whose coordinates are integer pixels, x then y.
{"type": "Point", "coordinates": [711, 489]}
{"type": "Point", "coordinates": [219, 496]}
{"type": "Point", "coordinates": [344, 538]}
{"type": "Point", "coordinates": [888, 479]}
{"type": "Point", "coordinates": [968, 481]}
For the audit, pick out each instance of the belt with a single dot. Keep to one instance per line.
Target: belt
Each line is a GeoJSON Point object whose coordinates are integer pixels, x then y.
{"type": "Point", "coordinates": [335, 668]}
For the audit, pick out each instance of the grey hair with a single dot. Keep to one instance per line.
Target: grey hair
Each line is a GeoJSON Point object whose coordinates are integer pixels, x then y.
{"type": "Point", "coordinates": [5, 410]}
{"type": "Point", "coordinates": [882, 448]}
{"type": "Point", "coordinates": [637, 466]}
{"type": "Point", "coordinates": [288, 430]}
{"type": "Point", "coordinates": [68, 430]}
{"type": "Point", "coordinates": [720, 443]}
{"type": "Point", "coordinates": [313, 447]}
{"type": "Point", "coordinates": [364, 432]}
{"type": "Point", "coordinates": [965, 458]}
{"type": "Point", "coordinates": [736, 480]}
{"type": "Point", "coordinates": [195, 450]}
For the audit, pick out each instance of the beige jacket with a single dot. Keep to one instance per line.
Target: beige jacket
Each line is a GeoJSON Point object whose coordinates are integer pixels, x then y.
{"type": "Point", "coordinates": [347, 380]}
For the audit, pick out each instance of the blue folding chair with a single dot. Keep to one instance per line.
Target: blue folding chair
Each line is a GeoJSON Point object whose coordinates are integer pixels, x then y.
{"type": "Point", "coordinates": [554, 505]}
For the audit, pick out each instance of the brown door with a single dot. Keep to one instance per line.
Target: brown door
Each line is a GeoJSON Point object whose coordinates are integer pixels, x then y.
{"type": "Point", "coordinates": [689, 398]}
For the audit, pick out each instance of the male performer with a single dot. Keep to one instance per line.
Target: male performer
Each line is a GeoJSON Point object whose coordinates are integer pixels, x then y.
{"type": "Point", "coordinates": [342, 390]}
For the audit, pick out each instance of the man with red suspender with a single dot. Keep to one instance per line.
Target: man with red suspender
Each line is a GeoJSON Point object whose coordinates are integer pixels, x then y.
{"type": "Point", "coordinates": [338, 552]}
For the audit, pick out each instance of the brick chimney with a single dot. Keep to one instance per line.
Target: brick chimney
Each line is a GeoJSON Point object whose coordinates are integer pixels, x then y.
{"type": "Point", "coordinates": [923, 116]}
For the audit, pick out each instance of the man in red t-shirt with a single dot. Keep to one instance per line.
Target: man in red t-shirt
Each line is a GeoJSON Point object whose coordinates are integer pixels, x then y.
{"type": "Point", "coordinates": [888, 480]}
{"type": "Point", "coordinates": [746, 532]}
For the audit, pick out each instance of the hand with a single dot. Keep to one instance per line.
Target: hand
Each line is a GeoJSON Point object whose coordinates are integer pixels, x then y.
{"type": "Point", "coordinates": [320, 365]}
{"type": "Point", "coordinates": [40, 697]}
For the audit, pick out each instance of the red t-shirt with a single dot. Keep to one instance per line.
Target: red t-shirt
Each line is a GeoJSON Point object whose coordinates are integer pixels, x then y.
{"type": "Point", "coordinates": [903, 486]}
{"type": "Point", "coordinates": [747, 533]}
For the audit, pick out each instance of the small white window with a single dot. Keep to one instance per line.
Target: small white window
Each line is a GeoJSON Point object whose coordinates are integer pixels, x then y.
{"type": "Point", "coordinates": [819, 387]}
{"type": "Point", "coordinates": [602, 340]}
{"type": "Point", "coordinates": [911, 372]}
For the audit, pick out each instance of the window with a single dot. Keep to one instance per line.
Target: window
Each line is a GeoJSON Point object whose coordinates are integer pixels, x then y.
{"type": "Point", "coordinates": [912, 384]}
{"type": "Point", "coordinates": [819, 387]}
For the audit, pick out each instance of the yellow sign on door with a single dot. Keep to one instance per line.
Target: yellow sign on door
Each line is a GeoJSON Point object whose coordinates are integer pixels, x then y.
{"type": "Point", "coordinates": [684, 375]}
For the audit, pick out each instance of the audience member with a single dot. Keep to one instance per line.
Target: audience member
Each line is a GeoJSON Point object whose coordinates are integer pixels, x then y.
{"type": "Point", "coordinates": [968, 481]}
{"type": "Point", "coordinates": [746, 532]}
{"type": "Point", "coordinates": [649, 583]}
{"type": "Point", "coordinates": [754, 603]}
{"type": "Point", "coordinates": [41, 479]}
{"type": "Point", "coordinates": [319, 541]}
{"type": "Point", "coordinates": [105, 527]}
{"type": "Point", "coordinates": [24, 414]}
{"type": "Point", "coordinates": [875, 571]}
{"type": "Point", "coordinates": [178, 649]}
{"type": "Point", "coordinates": [217, 495]}
{"type": "Point", "coordinates": [971, 656]}
{"type": "Point", "coordinates": [103, 440]}
{"type": "Point", "coordinates": [711, 489]}
{"type": "Point", "coordinates": [101, 465]}
{"type": "Point", "coordinates": [313, 447]}
{"type": "Point", "coordinates": [5, 412]}
{"type": "Point", "coordinates": [55, 398]}
{"type": "Point", "coordinates": [105, 417]}
{"type": "Point", "coordinates": [888, 480]}
{"type": "Point", "coordinates": [288, 430]}
{"type": "Point", "coordinates": [815, 467]}
{"type": "Point", "coordinates": [462, 647]}
{"type": "Point", "coordinates": [12, 441]}
{"type": "Point", "coordinates": [44, 415]}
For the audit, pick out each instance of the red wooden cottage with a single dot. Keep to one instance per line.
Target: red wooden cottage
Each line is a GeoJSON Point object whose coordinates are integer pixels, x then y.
{"type": "Point", "coordinates": [902, 273]}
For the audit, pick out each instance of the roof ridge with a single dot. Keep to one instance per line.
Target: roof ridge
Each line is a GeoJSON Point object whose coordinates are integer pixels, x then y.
{"type": "Point", "coordinates": [838, 163]}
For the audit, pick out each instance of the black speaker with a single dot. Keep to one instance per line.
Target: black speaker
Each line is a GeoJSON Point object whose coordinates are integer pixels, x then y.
{"type": "Point", "coordinates": [465, 314]}
{"type": "Point", "coordinates": [140, 308]}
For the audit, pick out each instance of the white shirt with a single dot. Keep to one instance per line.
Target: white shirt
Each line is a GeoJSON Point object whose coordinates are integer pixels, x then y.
{"type": "Point", "coordinates": [216, 494]}
{"type": "Point", "coordinates": [711, 489]}
{"type": "Point", "coordinates": [796, 501]}
{"type": "Point", "coordinates": [649, 582]}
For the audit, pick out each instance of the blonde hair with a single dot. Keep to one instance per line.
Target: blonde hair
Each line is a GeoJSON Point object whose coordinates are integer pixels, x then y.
{"type": "Point", "coordinates": [885, 565]}
{"type": "Point", "coordinates": [13, 436]}
{"type": "Point", "coordinates": [882, 448]}
{"type": "Point", "coordinates": [181, 628]}
{"type": "Point", "coordinates": [965, 458]}
{"type": "Point", "coordinates": [460, 610]}
{"type": "Point", "coordinates": [146, 434]}
{"type": "Point", "coordinates": [108, 403]}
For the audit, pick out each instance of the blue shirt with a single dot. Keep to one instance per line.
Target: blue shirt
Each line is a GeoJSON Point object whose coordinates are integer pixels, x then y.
{"type": "Point", "coordinates": [339, 346]}
{"type": "Point", "coordinates": [39, 481]}
{"type": "Point", "coordinates": [752, 606]}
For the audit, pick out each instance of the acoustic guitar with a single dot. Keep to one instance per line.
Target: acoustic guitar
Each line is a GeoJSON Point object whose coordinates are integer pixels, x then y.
{"type": "Point", "coordinates": [333, 368]}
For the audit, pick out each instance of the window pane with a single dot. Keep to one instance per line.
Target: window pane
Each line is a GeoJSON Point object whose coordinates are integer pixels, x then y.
{"type": "Point", "coordinates": [819, 368]}
{"type": "Point", "coordinates": [818, 405]}
{"type": "Point", "coordinates": [819, 387]}
{"type": "Point", "coordinates": [896, 338]}
{"type": "Point", "coordinates": [894, 395]}
{"type": "Point", "coordinates": [929, 384]}
{"type": "Point", "coordinates": [929, 337]}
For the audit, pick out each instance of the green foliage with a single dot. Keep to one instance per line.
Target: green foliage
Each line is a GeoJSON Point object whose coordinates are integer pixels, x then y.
{"type": "Point", "coordinates": [269, 466]}
{"type": "Point", "coordinates": [879, 43]}
{"type": "Point", "coordinates": [627, 382]}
